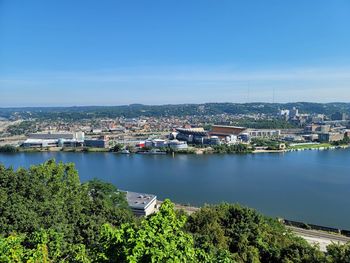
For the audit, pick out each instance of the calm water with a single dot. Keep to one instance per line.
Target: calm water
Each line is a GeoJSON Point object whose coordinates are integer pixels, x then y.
{"type": "Point", "coordinates": [311, 186]}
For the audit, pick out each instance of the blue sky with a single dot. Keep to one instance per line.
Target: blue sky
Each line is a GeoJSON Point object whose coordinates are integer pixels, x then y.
{"type": "Point", "coordinates": [64, 52]}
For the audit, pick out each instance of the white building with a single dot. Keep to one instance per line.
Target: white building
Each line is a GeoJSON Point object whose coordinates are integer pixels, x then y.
{"type": "Point", "coordinates": [264, 133]}
{"type": "Point", "coordinates": [40, 143]}
{"type": "Point", "coordinates": [159, 143]}
{"type": "Point", "coordinates": [141, 204]}
{"type": "Point", "coordinates": [178, 145]}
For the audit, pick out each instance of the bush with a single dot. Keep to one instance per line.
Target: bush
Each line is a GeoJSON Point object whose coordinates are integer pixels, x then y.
{"type": "Point", "coordinates": [8, 149]}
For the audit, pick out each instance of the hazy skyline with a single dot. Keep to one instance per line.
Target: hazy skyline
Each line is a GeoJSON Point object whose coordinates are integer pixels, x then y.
{"type": "Point", "coordinates": [64, 53]}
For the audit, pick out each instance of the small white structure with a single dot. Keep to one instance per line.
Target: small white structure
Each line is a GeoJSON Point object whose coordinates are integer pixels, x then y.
{"type": "Point", "coordinates": [159, 143]}
{"type": "Point", "coordinates": [141, 204]}
{"type": "Point", "coordinates": [231, 139]}
{"type": "Point", "coordinates": [178, 145]}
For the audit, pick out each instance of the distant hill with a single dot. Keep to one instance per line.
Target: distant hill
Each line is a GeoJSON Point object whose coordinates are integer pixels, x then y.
{"type": "Point", "coordinates": [137, 110]}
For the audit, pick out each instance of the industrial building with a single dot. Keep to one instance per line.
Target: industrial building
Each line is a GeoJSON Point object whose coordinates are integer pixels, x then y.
{"type": "Point", "coordinates": [102, 142]}
{"type": "Point", "coordinates": [41, 140]}
{"type": "Point", "coordinates": [263, 133]}
{"type": "Point", "coordinates": [330, 137]}
{"type": "Point", "coordinates": [55, 136]}
{"type": "Point", "coordinates": [40, 143]}
{"type": "Point", "coordinates": [314, 128]}
{"type": "Point", "coordinates": [141, 204]}
{"type": "Point", "coordinates": [158, 143]}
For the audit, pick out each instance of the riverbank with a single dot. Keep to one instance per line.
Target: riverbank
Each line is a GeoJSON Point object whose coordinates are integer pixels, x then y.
{"type": "Point", "coordinates": [197, 151]}
{"type": "Point", "coordinates": [306, 147]}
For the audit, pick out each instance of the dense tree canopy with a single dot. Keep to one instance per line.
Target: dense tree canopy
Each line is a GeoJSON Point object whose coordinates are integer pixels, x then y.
{"type": "Point", "coordinates": [248, 236]}
{"type": "Point", "coordinates": [159, 238]}
{"type": "Point", "coordinates": [8, 149]}
{"type": "Point", "coordinates": [50, 199]}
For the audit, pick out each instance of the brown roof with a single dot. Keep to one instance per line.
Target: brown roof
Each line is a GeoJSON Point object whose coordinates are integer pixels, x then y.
{"type": "Point", "coordinates": [226, 130]}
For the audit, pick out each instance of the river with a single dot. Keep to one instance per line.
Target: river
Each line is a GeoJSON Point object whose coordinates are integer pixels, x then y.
{"type": "Point", "coordinates": [309, 186]}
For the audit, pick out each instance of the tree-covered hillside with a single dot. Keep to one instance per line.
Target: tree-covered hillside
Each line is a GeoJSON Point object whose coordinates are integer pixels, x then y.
{"type": "Point", "coordinates": [137, 110]}
{"type": "Point", "coordinates": [48, 215]}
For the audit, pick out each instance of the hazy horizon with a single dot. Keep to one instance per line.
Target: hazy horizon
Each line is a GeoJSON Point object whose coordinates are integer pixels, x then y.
{"type": "Point", "coordinates": [165, 104]}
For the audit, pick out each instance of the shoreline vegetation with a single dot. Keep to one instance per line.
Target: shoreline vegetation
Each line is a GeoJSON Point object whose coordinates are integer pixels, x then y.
{"type": "Point", "coordinates": [48, 215]}
{"type": "Point", "coordinates": [220, 149]}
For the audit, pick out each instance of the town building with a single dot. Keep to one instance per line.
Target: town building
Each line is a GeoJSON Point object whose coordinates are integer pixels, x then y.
{"type": "Point", "coordinates": [51, 136]}
{"type": "Point", "coordinates": [314, 128]}
{"type": "Point", "coordinates": [294, 112]}
{"type": "Point", "coordinates": [330, 137]}
{"type": "Point", "coordinates": [41, 140]}
{"type": "Point", "coordinates": [141, 204]}
{"type": "Point", "coordinates": [40, 143]}
{"type": "Point", "coordinates": [263, 133]}
{"type": "Point", "coordinates": [284, 115]}
{"type": "Point", "coordinates": [317, 118]}
{"type": "Point", "coordinates": [159, 143]}
{"type": "Point", "coordinates": [102, 142]}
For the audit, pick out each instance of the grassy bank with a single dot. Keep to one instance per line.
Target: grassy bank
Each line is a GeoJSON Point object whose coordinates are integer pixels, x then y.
{"type": "Point", "coordinates": [310, 146]}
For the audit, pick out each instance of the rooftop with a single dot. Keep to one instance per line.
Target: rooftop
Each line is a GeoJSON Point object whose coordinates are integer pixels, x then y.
{"type": "Point", "coordinates": [139, 200]}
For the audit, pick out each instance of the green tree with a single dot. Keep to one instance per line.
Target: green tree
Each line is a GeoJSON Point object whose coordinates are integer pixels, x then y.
{"type": "Point", "coordinates": [339, 253]}
{"type": "Point", "coordinates": [118, 147]}
{"type": "Point", "coordinates": [50, 198]}
{"type": "Point", "coordinates": [12, 250]}
{"type": "Point", "coordinates": [159, 238]}
{"type": "Point", "coordinates": [8, 149]}
{"type": "Point", "coordinates": [248, 236]}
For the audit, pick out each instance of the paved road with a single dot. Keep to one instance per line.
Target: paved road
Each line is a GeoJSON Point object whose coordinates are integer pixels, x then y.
{"type": "Point", "coordinates": [321, 238]}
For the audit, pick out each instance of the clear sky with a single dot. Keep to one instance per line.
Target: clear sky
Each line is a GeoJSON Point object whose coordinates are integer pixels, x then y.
{"type": "Point", "coordinates": [85, 52]}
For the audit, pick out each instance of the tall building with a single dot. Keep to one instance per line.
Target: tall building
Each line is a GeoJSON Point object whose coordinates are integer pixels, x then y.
{"type": "Point", "coordinates": [294, 113]}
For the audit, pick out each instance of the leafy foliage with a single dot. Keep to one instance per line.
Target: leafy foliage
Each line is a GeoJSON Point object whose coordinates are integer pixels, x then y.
{"type": "Point", "coordinates": [49, 198]}
{"type": "Point", "coordinates": [271, 144]}
{"type": "Point", "coordinates": [231, 148]}
{"type": "Point", "coordinates": [23, 127]}
{"type": "Point", "coordinates": [8, 149]}
{"type": "Point", "coordinates": [248, 236]}
{"type": "Point", "coordinates": [339, 253]}
{"type": "Point", "coordinates": [159, 238]}
{"type": "Point", "coordinates": [264, 124]}
{"type": "Point", "coordinates": [344, 141]}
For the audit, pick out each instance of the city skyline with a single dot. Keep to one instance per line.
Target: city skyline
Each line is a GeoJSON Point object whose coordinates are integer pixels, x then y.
{"type": "Point", "coordinates": [116, 53]}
